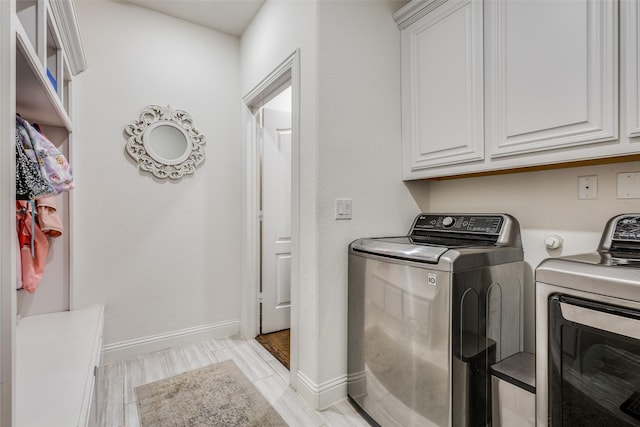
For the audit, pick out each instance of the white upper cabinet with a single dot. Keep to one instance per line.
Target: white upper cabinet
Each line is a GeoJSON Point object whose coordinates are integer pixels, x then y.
{"type": "Point", "coordinates": [630, 22]}
{"type": "Point", "coordinates": [552, 70]}
{"type": "Point", "coordinates": [442, 85]}
{"type": "Point", "coordinates": [518, 84]}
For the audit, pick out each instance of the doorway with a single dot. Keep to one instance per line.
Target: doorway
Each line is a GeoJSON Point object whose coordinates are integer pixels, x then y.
{"type": "Point", "coordinates": [274, 138]}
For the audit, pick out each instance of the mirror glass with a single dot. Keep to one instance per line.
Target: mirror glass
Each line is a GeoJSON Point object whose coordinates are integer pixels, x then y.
{"type": "Point", "coordinates": [168, 142]}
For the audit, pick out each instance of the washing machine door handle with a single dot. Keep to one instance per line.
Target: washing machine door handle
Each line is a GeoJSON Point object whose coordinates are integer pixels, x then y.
{"type": "Point", "coordinates": [618, 320]}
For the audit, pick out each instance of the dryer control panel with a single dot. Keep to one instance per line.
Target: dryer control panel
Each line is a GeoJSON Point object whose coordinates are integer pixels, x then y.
{"type": "Point", "coordinates": [627, 228]}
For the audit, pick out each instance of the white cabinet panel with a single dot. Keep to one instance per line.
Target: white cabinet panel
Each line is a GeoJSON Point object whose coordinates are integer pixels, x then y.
{"type": "Point", "coordinates": [442, 87]}
{"type": "Point", "coordinates": [630, 13]}
{"type": "Point", "coordinates": [551, 74]}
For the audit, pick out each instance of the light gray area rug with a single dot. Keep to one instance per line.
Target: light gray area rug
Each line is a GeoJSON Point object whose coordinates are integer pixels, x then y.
{"type": "Point", "coordinates": [216, 395]}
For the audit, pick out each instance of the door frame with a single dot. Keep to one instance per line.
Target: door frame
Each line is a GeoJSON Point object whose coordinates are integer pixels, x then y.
{"type": "Point", "coordinates": [287, 73]}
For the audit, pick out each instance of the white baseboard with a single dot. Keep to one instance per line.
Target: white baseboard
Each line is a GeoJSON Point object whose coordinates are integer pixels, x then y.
{"type": "Point", "coordinates": [321, 396]}
{"type": "Point", "coordinates": [129, 349]}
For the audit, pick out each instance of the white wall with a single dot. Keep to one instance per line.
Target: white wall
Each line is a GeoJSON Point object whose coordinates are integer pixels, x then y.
{"type": "Point", "coordinates": [359, 128]}
{"type": "Point", "coordinates": [350, 147]}
{"type": "Point", "coordinates": [545, 203]}
{"type": "Point", "coordinates": [162, 256]}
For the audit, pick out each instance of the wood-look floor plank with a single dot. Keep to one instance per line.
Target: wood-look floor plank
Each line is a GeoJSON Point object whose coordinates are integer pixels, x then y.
{"type": "Point", "coordinates": [192, 357]}
{"type": "Point", "coordinates": [342, 414]}
{"type": "Point", "coordinates": [280, 370]}
{"type": "Point", "coordinates": [134, 375]}
{"type": "Point", "coordinates": [110, 395]}
{"type": "Point", "coordinates": [289, 405]}
{"type": "Point", "coordinates": [262, 352]}
{"type": "Point", "coordinates": [131, 415]}
{"type": "Point", "coordinates": [252, 365]}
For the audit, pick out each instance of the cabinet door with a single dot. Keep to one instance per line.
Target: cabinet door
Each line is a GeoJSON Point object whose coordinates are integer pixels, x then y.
{"type": "Point", "coordinates": [552, 73]}
{"type": "Point", "coordinates": [442, 87]}
{"type": "Point", "coordinates": [630, 12]}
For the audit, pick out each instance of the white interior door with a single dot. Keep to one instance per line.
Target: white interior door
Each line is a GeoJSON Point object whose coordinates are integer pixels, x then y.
{"type": "Point", "coordinates": [276, 223]}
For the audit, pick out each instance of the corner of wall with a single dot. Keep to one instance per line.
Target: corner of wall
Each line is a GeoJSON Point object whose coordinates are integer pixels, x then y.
{"type": "Point", "coordinates": [419, 190]}
{"type": "Point", "coordinates": [321, 396]}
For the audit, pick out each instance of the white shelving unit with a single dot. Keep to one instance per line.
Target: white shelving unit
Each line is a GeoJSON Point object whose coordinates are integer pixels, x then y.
{"type": "Point", "coordinates": [49, 353]}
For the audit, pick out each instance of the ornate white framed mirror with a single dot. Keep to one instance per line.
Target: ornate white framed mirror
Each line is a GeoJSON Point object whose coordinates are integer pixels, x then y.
{"type": "Point", "coordinates": [164, 142]}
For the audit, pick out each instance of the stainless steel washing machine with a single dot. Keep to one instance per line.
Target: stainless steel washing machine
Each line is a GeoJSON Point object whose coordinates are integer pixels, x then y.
{"type": "Point", "coordinates": [588, 333]}
{"type": "Point", "coordinates": [429, 313]}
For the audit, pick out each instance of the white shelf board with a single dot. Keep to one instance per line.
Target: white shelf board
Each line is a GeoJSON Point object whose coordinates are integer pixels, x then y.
{"type": "Point", "coordinates": [56, 355]}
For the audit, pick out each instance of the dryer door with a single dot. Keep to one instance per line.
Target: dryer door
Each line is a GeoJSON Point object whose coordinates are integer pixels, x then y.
{"type": "Point", "coordinates": [594, 363]}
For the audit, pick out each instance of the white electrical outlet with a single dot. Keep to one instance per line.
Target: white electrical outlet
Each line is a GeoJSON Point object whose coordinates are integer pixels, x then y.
{"type": "Point", "coordinates": [629, 185]}
{"type": "Point", "coordinates": [343, 208]}
{"type": "Point", "coordinates": [588, 187]}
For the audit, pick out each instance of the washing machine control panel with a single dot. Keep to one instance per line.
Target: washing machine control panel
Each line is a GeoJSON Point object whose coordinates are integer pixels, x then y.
{"type": "Point", "coordinates": [480, 224]}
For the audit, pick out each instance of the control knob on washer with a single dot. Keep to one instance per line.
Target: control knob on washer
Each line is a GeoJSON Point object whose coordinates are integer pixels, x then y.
{"type": "Point", "coordinates": [448, 222]}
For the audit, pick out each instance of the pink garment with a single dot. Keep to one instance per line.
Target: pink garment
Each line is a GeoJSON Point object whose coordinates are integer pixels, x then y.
{"type": "Point", "coordinates": [48, 218]}
{"type": "Point", "coordinates": [32, 262]}
{"type": "Point", "coordinates": [18, 263]}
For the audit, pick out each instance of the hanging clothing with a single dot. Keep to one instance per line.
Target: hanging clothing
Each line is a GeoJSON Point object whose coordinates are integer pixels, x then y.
{"type": "Point", "coordinates": [48, 218]}
{"type": "Point", "coordinates": [42, 171]}
{"type": "Point", "coordinates": [30, 184]}
{"type": "Point", "coordinates": [34, 247]}
{"type": "Point", "coordinates": [52, 163]}
{"type": "Point", "coordinates": [18, 262]}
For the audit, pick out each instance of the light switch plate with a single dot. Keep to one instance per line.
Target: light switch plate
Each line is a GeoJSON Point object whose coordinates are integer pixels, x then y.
{"type": "Point", "coordinates": [343, 208]}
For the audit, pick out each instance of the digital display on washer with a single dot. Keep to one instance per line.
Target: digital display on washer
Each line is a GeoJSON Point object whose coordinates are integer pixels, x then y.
{"type": "Point", "coordinates": [484, 224]}
{"type": "Point", "coordinates": [627, 228]}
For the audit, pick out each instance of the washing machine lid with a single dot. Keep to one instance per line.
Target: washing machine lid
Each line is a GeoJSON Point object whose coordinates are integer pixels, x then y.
{"type": "Point", "coordinates": [400, 248]}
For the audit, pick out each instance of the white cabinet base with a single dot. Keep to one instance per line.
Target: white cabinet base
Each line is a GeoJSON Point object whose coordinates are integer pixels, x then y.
{"type": "Point", "coordinates": [56, 357]}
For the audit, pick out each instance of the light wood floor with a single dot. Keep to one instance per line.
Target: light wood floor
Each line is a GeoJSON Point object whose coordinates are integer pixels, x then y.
{"type": "Point", "coordinates": [116, 382]}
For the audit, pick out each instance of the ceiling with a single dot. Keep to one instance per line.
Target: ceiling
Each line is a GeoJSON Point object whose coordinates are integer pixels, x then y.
{"type": "Point", "coordinates": [228, 16]}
